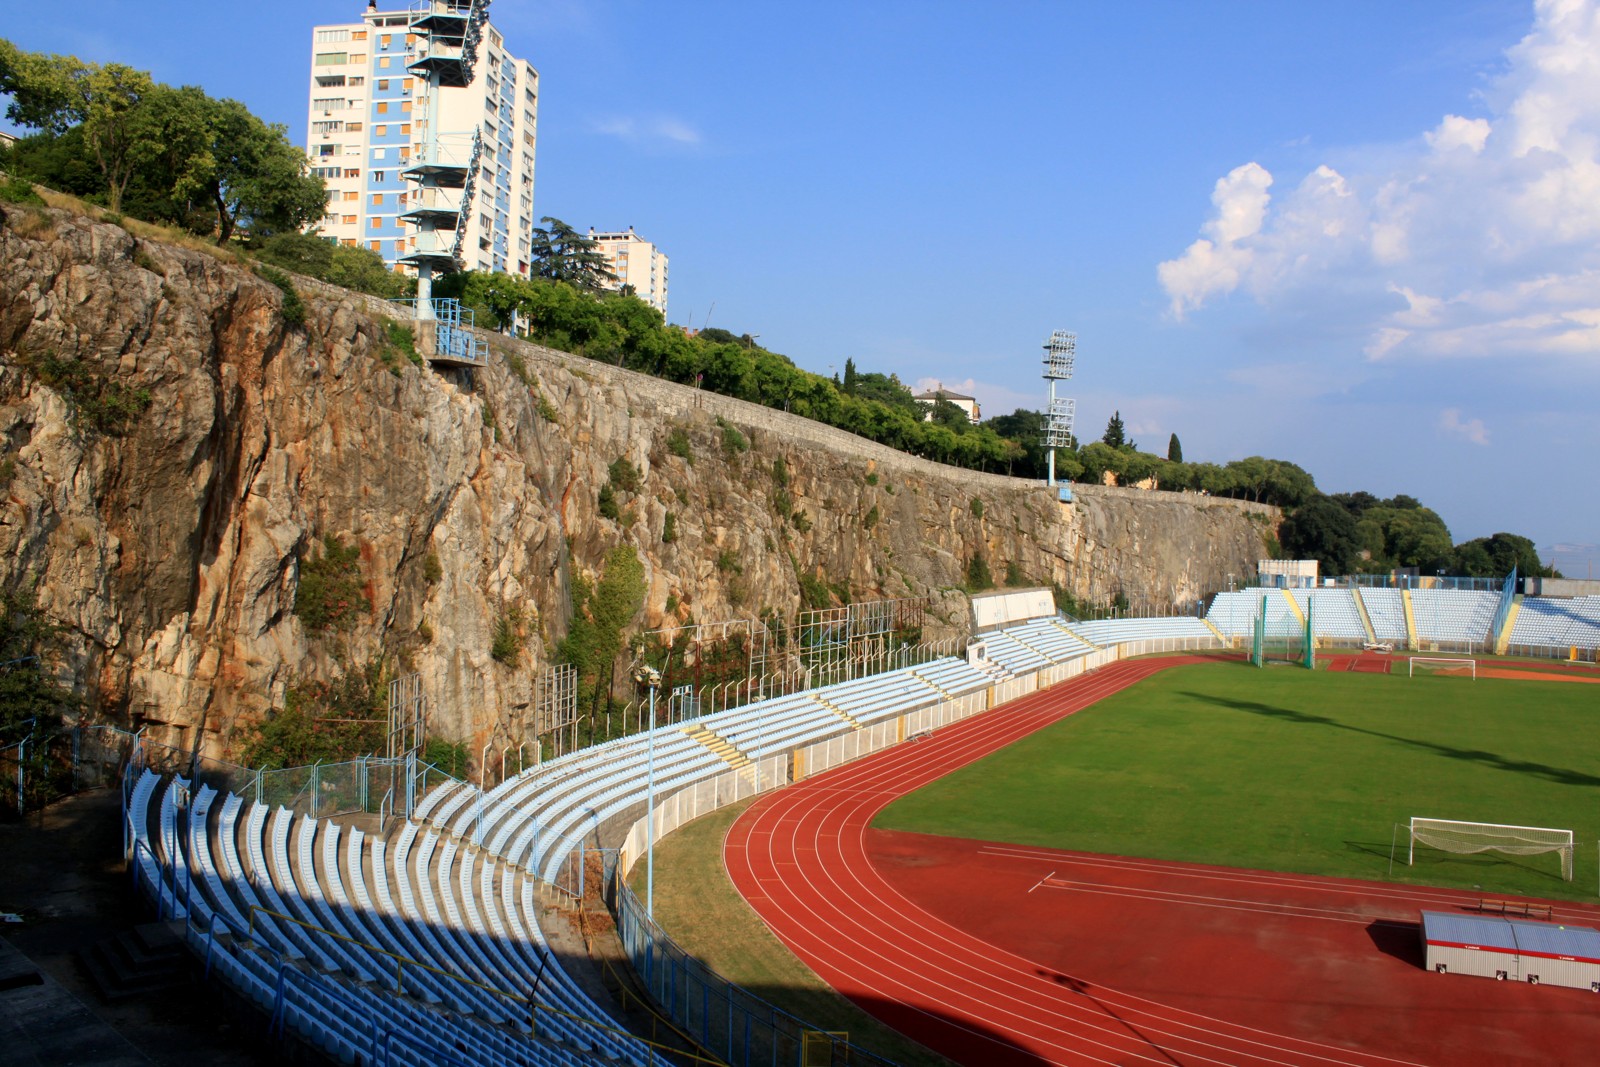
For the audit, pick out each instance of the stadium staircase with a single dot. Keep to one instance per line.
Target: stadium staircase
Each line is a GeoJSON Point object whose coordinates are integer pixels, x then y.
{"type": "Point", "coordinates": [725, 749]}
{"type": "Point", "coordinates": [1213, 628]}
{"type": "Point", "coordinates": [1294, 606]}
{"type": "Point", "coordinates": [1411, 618]}
{"type": "Point", "coordinates": [1366, 619]}
{"type": "Point", "coordinates": [1504, 640]}
{"type": "Point", "coordinates": [837, 710]}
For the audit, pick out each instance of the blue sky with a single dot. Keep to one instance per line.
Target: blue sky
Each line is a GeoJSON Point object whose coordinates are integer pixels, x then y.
{"type": "Point", "coordinates": [1363, 237]}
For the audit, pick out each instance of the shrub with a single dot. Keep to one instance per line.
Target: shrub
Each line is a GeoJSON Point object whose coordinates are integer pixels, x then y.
{"type": "Point", "coordinates": [728, 562]}
{"type": "Point", "coordinates": [872, 478]}
{"type": "Point", "coordinates": [1014, 575]}
{"type": "Point", "coordinates": [780, 473]}
{"type": "Point", "coordinates": [801, 521]}
{"type": "Point", "coordinates": [733, 442]}
{"type": "Point", "coordinates": [294, 309]}
{"type": "Point", "coordinates": [977, 508]}
{"type": "Point", "coordinates": [19, 191]}
{"type": "Point", "coordinates": [678, 444]}
{"type": "Point", "coordinates": [608, 502]}
{"type": "Point", "coordinates": [669, 529]}
{"type": "Point", "coordinates": [96, 403]}
{"type": "Point", "coordinates": [624, 476]}
{"type": "Point", "coordinates": [329, 595]}
{"type": "Point", "coordinates": [978, 578]}
{"type": "Point", "coordinates": [870, 519]}
{"type": "Point", "coordinates": [449, 756]}
{"type": "Point", "coordinates": [432, 569]}
{"type": "Point", "coordinates": [507, 643]}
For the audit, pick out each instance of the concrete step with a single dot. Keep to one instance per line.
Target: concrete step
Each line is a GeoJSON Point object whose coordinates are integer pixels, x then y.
{"type": "Point", "coordinates": [147, 959]}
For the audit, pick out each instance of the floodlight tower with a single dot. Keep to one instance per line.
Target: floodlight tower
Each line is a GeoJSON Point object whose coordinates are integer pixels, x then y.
{"type": "Point", "coordinates": [445, 167]}
{"type": "Point", "coordinates": [1059, 353]}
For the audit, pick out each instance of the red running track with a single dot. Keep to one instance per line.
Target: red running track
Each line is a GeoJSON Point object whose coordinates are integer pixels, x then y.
{"type": "Point", "coordinates": [800, 858]}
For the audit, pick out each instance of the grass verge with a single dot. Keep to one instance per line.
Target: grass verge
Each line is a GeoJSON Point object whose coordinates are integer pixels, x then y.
{"type": "Point", "coordinates": [697, 904]}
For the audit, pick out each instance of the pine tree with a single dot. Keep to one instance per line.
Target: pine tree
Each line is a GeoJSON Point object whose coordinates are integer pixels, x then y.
{"type": "Point", "coordinates": [849, 376]}
{"type": "Point", "coordinates": [1115, 436]}
{"type": "Point", "coordinates": [1175, 450]}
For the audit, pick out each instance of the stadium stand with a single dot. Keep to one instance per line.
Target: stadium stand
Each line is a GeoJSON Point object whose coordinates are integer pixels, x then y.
{"type": "Point", "coordinates": [1556, 623]}
{"type": "Point", "coordinates": [315, 921]}
{"type": "Point", "coordinates": [1104, 632]}
{"type": "Point", "coordinates": [1386, 609]}
{"type": "Point", "coordinates": [1333, 614]}
{"type": "Point", "coordinates": [1454, 617]}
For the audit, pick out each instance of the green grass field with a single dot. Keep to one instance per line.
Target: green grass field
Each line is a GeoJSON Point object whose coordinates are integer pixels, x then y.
{"type": "Point", "coordinates": [1290, 770]}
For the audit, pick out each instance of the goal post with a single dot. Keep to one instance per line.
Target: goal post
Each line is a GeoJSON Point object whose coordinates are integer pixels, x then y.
{"type": "Point", "coordinates": [1466, 838]}
{"type": "Point", "coordinates": [1456, 668]}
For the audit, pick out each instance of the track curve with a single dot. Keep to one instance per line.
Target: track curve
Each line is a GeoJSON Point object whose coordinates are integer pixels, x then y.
{"type": "Point", "coordinates": [799, 858]}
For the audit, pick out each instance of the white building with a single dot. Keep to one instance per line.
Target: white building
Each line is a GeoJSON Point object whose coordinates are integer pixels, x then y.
{"type": "Point", "coordinates": [928, 398]}
{"type": "Point", "coordinates": [371, 121]}
{"type": "Point", "coordinates": [635, 262]}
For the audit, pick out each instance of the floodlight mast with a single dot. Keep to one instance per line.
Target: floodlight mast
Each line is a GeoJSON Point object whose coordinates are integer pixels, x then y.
{"type": "Point", "coordinates": [1060, 352]}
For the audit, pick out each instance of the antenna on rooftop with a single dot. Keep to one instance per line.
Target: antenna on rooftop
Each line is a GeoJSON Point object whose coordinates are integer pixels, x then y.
{"type": "Point", "coordinates": [1059, 354]}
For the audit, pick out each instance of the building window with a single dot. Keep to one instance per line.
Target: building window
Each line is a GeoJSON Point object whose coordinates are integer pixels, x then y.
{"type": "Point", "coordinates": [377, 199]}
{"type": "Point", "coordinates": [332, 36]}
{"type": "Point", "coordinates": [353, 127]}
{"type": "Point", "coordinates": [351, 194]}
{"type": "Point", "coordinates": [383, 85]}
{"type": "Point", "coordinates": [352, 172]}
{"type": "Point", "coordinates": [379, 177]}
{"type": "Point", "coordinates": [405, 128]}
{"type": "Point", "coordinates": [405, 107]}
{"type": "Point", "coordinates": [349, 220]}
{"type": "Point", "coordinates": [358, 81]}
{"type": "Point", "coordinates": [380, 130]}
{"type": "Point", "coordinates": [359, 35]}
{"type": "Point", "coordinates": [383, 109]}
{"type": "Point", "coordinates": [383, 61]}
{"type": "Point", "coordinates": [377, 246]}
{"type": "Point", "coordinates": [330, 58]}
{"type": "Point", "coordinates": [383, 41]}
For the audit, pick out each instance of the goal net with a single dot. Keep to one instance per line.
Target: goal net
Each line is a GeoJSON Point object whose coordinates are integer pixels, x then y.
{"type": "Point", "coordinates": [1448, 835]}
{"type": "Point", "coordinates": [1450, 668]}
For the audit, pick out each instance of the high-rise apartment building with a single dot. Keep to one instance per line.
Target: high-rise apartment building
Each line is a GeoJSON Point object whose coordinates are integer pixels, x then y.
{"type": "Point", "coordinates": [635, 262]}
{"type": "Point", "coordinates": [373, 123]}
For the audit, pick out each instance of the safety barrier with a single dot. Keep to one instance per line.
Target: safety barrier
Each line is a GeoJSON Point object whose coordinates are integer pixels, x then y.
{"type": "Point", "coordinates": [702, 798]}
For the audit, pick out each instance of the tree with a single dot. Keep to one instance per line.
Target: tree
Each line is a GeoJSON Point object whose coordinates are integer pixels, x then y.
{"type": "Point", "coordinates": [250, 173]}
{"type": "Point", "coordinates": [114, 126]}
{"type": "Point", "coordinates": [849, 376]}
{"type": "Point", "coordinates": [1174, 450]}
{"type": "Point", "coordinates": [1323, 530]}
{"type": "Point", "coordinates": [1495, 556]}
{"type": "Point", "coordinates": [562, 254]}
{"type": "Point", "coordinates": [1115, 436]}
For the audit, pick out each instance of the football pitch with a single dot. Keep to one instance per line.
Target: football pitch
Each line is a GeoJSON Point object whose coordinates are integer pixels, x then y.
{"type": "Point", "coordinates": [1292, 770]}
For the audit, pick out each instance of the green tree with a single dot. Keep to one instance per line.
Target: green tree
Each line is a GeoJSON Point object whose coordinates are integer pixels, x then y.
{"type": "Point", "coordinates": [1115, 435]}
{"type": "Point", "coordinates": [1174, 449]}
{"type": "Point", "coordinates": [849, 376]}
{"type": "Point", "coordinates": [1323, 530]}
{"type": "Point", "coordinates": [562, 254]}
{"type": "Point", "coordinates": [1496, 555]}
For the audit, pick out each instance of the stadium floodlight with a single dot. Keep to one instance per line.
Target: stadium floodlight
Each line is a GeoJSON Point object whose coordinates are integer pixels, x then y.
{"type": "Point", "coordinates": [1060, 354]}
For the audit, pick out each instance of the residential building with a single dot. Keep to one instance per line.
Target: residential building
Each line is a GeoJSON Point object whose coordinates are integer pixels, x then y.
{"type": "Point", "coordinates": [967, 404]}
{"type": "Point", "coordinates": [371, 121]}
{"type": "Point", "coordinates": [635, 262]}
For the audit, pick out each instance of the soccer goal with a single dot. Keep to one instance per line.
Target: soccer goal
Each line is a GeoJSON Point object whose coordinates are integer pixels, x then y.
{"type": "Point", "coordinates": [1448, 835]}
{"type": "Point", "coordinates": [1454, 668]}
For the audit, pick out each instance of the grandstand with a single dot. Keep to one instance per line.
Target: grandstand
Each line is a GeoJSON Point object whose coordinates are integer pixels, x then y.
{"type": "Point", "coordinates": [422, 944]}
{"type": "Point", "coordinates": [1555, 625]}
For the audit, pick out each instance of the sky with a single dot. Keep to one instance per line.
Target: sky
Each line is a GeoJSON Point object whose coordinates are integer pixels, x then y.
{"type": "Point", "coordinates": [1363, 237]}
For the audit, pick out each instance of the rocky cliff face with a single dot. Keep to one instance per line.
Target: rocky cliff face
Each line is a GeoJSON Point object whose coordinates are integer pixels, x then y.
{"type": "Point", "coordinates": [174, 451]}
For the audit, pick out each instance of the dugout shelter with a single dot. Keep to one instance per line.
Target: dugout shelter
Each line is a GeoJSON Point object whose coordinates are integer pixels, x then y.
{"type": "Point", "coordinates": [1516, 950]}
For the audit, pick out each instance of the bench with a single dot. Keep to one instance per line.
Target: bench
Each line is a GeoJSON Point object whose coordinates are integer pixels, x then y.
{"type": "Point", "coordinates": [1517, 907]}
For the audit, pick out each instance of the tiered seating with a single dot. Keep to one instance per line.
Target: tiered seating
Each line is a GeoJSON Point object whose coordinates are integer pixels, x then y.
{"type": "Point", "coordinates": [343, 1007]}
{"type": "Point", "coordinates": [1013, 655]}
{"type": "Point", "coordinates": [1558, 622]}
{"type": "Point", "coordinates": [1458, 615]}
{"type": "Point", "coordinates": [1053, 639]}
{"type": "Point", "coordinates": [1234, 613]}
{"type": "Point", "coordinates": [1386, 608]}
{"type": "Point", "coordinates": [1333, 613]}
{"type": "Point", "coordinates": [1105, 632]}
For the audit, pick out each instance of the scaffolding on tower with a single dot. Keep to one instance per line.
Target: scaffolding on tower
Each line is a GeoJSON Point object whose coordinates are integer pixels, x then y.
{"type": "Point", "coordinates": [1059, 353]}
{"type": "Point", "coordinates": [443, 172]}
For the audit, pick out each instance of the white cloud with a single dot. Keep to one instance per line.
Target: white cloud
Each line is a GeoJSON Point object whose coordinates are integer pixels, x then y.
{"type": "Point", "coordinates": [1487, 228]}
{"type": "Point", "coordinates": [651, 128]}
{"type": "Point", "coordinates": [1451, 422]}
